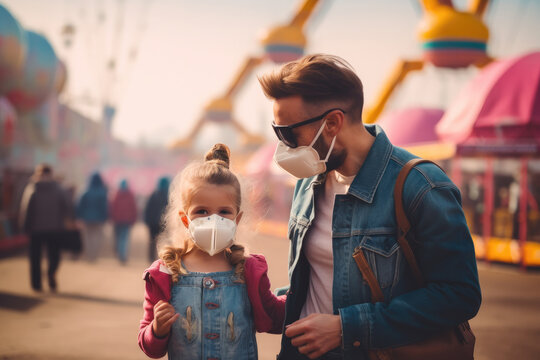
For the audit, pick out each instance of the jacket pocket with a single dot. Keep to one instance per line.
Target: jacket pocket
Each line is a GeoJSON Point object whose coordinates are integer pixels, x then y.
{"type": "Point", "coordinates": [384, 257]}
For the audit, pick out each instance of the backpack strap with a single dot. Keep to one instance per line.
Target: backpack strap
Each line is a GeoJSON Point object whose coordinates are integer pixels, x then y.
{"type": "Point", "coordinates": [403, 222]}
{"type": "Point", "coordinates": [404, 226]}
{"type": "Point", "coordinates": [369, 277]}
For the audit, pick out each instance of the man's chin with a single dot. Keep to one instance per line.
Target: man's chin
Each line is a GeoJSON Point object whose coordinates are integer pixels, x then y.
{"type": "Point", "coordinates": [336, 160]}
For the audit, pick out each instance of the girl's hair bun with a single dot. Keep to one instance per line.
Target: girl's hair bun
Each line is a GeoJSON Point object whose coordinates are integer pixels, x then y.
{"type": "Point", "coordinates": [219, 153]}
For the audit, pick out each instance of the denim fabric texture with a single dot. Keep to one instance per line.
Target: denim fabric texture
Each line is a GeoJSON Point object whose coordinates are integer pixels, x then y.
{"type": "Point", "coordinates": [365, 218]}
{"type": "Point", "coordinates": [216, 320]}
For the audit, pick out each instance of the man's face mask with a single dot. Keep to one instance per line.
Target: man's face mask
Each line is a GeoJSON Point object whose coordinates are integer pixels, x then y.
{"type": "Point", "coordinates": [212, 233]}
{"type": "Point", "coordinates": [302, 161]}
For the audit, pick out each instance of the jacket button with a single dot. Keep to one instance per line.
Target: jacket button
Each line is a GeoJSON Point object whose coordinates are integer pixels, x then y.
{"type": "Point", "coordinates": [356, 343]}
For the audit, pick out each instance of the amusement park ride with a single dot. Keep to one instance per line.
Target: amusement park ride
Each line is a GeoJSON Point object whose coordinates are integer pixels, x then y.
{"type": "Point", "coordinates": [281, 44]}
{"type": "Point", "coordinates": [450, 39]}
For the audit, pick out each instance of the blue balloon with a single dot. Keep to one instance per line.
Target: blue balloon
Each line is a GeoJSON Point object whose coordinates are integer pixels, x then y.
{"type": "Point", "coordinates": [12, 50]}
{"type": "Point", "coordinates": [38, 76]}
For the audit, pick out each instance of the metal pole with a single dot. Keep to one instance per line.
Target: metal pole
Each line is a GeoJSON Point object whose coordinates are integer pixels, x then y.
{"type": "Point", "coordinates": [488, 206]}
{"type": "Point", "coordinates": [523, 210]}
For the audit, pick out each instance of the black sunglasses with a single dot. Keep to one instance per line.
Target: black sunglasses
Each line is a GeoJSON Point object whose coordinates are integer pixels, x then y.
{"type": "Point", "coordinates": [285, 132]}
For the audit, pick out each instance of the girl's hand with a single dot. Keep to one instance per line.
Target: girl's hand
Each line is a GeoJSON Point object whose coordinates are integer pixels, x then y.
{"type": "Point", "coordinates": [164, 317]}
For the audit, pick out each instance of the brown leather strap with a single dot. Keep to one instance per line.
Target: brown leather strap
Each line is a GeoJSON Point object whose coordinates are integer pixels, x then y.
{"type": "Point", "coordinates": [403, 222]}
{"type": "Point", "coordinates": [367, 273]}
{"type": "Point", "coordinates": [403, 228]}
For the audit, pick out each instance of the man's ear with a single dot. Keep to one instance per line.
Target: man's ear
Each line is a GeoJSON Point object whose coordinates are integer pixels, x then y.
{"type": "Point", "coordinates": [334, 123]}
{"type": "Point", "coordinates": [184, 218]}
{"type": "Point", "coordinates": [239, 217]}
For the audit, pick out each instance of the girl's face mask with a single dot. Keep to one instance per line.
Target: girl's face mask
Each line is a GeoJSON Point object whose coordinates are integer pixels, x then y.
{"type": "Point", "coordinates": [213, 233]}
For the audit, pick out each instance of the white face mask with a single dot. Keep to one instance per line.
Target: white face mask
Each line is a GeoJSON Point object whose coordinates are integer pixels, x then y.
{"type": "Point", "coordinates": [302, 161]}
{"type": "Point", "coordinates": [212, 233]}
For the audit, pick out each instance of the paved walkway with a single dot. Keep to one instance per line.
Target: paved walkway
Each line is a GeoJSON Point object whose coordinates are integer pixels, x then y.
{"type": "Point", "coordinates": [96, 312]}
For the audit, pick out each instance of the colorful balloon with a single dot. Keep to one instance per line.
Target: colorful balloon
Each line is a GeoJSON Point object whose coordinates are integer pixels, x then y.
{"type": "Point", "coordinates": [38, 74]}
{"type": "Point", "coordinates": [60, 77]}
{"type": "Point", "coordinates": [8, 119]}
{"type": "Point", "coordinates": [12, 50]}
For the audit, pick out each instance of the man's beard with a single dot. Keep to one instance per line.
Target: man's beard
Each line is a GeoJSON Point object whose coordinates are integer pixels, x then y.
{"type": "Point", "coordinates": [336, 158]}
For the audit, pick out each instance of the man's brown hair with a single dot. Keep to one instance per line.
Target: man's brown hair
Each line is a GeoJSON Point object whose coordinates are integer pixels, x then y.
{"type": "Point", "coordinates": [317, 78]}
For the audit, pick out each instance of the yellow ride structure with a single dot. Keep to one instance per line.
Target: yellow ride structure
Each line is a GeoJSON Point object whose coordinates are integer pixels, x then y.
{"type": "Point", "coordinates": [281, 44]}
{"type": "Point", "coordinates": [450, 39]}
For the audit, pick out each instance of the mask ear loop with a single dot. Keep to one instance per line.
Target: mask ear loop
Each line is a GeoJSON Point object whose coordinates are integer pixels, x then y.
{"type": "Point", "coordinates": [330, 150]}
{"type": "Point", "coordinates": [331, 145]}
{"type": "Point", "coordinates": [318, 134]}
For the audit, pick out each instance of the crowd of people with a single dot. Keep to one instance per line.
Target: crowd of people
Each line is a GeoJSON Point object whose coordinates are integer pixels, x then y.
{"type": "Point", "coordinates": [54, 218]}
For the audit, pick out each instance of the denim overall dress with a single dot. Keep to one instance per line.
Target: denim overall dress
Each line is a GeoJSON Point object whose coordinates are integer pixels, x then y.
{"type": "Point", "coordinates": [216, 320]}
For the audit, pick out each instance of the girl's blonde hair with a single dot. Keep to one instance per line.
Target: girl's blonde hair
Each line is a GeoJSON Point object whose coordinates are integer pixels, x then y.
{"type": "Point", "coordinates": [214, 170]}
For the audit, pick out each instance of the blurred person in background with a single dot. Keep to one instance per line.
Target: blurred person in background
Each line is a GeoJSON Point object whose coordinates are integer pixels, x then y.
{"type": "Point", "coordinates": [44, 211]}
{"type": "Point", "coordinates": [157, 202]}
{"type": "Point", "coordinates": [123, 215]}
{"type": "Point", "coordinates": [93, 212]}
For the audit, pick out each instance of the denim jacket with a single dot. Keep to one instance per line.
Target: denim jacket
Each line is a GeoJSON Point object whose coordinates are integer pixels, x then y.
{"type": "Point", "coordinates": [364, 218]}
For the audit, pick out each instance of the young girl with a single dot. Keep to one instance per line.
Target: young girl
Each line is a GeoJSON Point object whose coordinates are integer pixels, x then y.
{"type": "Point", "coordinates": [204, 298]}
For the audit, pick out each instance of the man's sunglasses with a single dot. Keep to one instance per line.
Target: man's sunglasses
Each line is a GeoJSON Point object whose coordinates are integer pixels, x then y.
{"type": "Point", "coordinates": [285, 132]}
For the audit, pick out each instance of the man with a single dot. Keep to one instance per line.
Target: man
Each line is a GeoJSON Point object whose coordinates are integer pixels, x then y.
{"type": "Point", "coordinates": [343, 202]}
{"type": "Point", "coordinates": [44, 210]}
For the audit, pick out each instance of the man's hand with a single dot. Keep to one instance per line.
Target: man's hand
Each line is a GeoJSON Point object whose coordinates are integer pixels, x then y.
{"type": "Point", "coordinates": [164, 317]}
{"type": "Point", "coordinates": [315, 334]}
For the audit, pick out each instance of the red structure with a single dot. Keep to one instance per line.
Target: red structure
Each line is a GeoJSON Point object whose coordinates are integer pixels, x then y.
{"type": "Point", "coordinates": [497, 116]}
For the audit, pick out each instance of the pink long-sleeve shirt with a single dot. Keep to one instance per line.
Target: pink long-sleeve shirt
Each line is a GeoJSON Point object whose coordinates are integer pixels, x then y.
{"type": "Point", "coordinates": [268, 309]}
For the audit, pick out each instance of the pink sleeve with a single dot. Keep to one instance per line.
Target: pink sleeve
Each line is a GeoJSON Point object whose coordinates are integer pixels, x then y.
{"type": "Point", "coordinates": [268, 309]}
{"type": "Point", "coordinates": [151, 345]}
{"type": "Point", "coordinates": [273, 305]}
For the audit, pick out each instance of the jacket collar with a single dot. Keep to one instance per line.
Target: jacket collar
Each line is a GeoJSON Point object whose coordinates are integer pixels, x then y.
{"type": "Point", "coordinates": [370, 174]}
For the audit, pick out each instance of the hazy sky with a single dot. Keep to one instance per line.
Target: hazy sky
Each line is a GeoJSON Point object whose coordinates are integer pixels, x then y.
{"type": "Point", "coordinates": [188, 51]}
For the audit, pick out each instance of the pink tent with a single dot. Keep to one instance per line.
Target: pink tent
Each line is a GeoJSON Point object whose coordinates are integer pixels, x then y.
{"type": "Point", "coordinates": [498, 113]}
{"type": "Point", "coordinates": [499, 110]}
{"type": "Point", "coordinates": [414, 129]}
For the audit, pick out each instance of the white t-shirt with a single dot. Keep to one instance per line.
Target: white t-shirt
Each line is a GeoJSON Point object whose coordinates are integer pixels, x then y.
{"type": "Point", "coordinates": [318, 246]}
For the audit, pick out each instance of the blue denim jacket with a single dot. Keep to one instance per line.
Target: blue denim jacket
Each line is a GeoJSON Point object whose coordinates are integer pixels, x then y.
{"type": "Point", "coordinates": [365, 218]}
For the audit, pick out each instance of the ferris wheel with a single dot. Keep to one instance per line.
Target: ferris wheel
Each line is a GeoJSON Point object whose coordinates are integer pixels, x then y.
{"type": "Point", "coordinates": [108, 37]}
